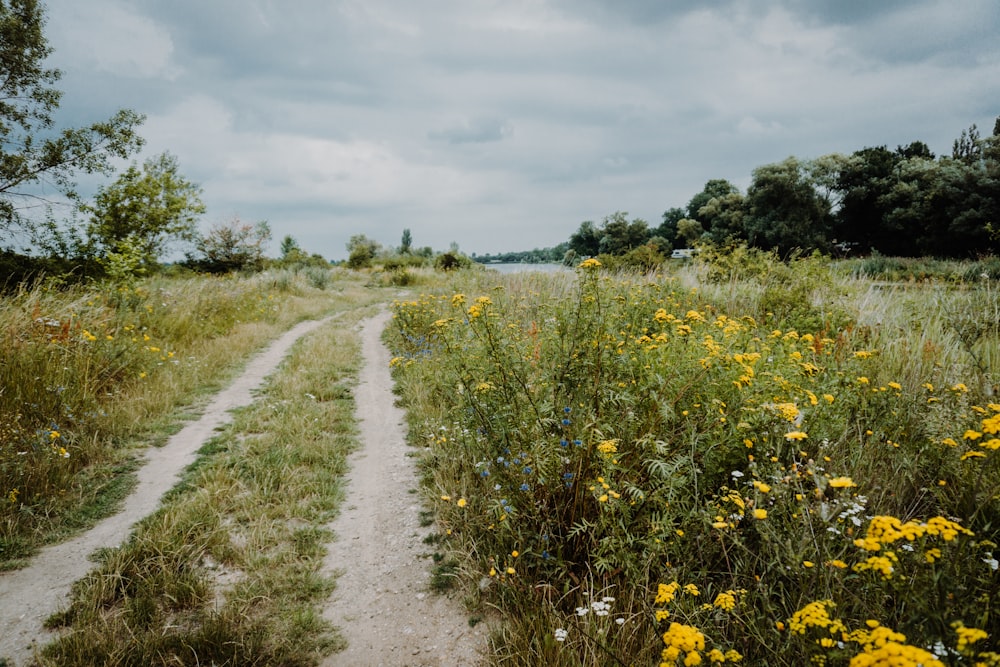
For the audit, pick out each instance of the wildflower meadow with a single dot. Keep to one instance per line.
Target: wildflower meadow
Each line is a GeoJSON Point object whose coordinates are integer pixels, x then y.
{"type": "Point", "coordinates": [738, 461]}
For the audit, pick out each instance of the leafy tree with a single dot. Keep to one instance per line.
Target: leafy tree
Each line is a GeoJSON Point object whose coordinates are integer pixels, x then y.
{"type": "Point", "coordinates": [968, 147]}
{"type": "Point", "coordinates": [361, 250]}
{"type": "Point", "coordinates": [233, 246]}
{"type": "Point", "coordinates": [689, 230]}
{"type": "Point", "coordinates": [941, 208]}
{"type": "Point", "coordinates": [620, 236]}
{"type": "Point", "coordinates": [406, 243]}
{"type": "Point", "coordinates": [668, 228]}
{"type": "Point", "coordinates": [586, 241]}
{"type": "Point", "coordinates": [452, 260]}
{"type": "Point", "coordinates": [784, 211]}
{"type": "Point", "coordinates": [36, 160]}
{"type": "Point", "coordinates": [717, 187]}
{"type": "Point", "coordinates": [915, 149]}
{"type": "Point", "coordinates": [289, 248]}
{"type": "Point", "coordinates": [150, 207]}
{"type": "Point", "coordinates": [722, 217]}
{"type": "Point", "coordinates": [864, 180]}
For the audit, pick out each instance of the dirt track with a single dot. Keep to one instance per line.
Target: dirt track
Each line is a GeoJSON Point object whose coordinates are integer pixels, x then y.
{"type": "Point", "coordinates": [380, 603]}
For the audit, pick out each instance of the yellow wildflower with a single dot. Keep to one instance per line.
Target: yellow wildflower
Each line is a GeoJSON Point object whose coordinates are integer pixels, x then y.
{"type": "Point", "coordinates": [841, 482]}
{"type": "Point", "coordinates": [725, 601]}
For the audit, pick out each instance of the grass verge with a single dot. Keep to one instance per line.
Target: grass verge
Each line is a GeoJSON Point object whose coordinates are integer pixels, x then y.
{"type": "Point", "coordinates": [91, 375]}
{"type": "Point", "coordinates": [227, 571]}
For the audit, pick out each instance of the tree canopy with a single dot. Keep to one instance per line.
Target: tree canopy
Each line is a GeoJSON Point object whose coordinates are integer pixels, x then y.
{"type": "Point", "coordinates": [38, 162]}
{"type": "Point", "coordinates": [904, 202]}
{"type": "Point", "coordinates": [147, 207]}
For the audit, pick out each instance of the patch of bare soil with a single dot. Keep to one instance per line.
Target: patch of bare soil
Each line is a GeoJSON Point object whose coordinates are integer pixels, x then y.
{"type": "Point", "coordinates": [30, 595]}
{"type": "Point", "coordinates": [382, 602]}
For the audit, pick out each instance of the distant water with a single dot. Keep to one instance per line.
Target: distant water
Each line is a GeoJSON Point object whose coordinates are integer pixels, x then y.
{"type": "Point", "coordinates": [521, 267]}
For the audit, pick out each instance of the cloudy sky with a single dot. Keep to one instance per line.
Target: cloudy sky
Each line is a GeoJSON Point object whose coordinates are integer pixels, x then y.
{"type": "Point", "coordinates": [502, 124]}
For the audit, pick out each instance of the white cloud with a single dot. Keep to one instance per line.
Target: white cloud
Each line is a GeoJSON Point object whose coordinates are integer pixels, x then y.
{"type": "Point", "coordinates": [110, 36]}
{"type": "Point", "coordinates": [501, 124]}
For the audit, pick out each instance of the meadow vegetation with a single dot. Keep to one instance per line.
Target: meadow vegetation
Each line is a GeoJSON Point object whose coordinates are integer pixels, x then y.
{"type": "Point", "coordinates": [228, 570]}
{"type": "Point", "coordinates": [92, 373]}
{"type": "Point", "coordinates": [737, 460]}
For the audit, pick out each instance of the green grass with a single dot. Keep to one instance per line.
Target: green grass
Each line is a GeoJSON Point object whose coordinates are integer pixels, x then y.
{"type": "Point", "coordinates": [93, 374]}
{"type": "Point", "coordinates": [228, 570]}
{"type": "Point", "coordinates": [760, 435]}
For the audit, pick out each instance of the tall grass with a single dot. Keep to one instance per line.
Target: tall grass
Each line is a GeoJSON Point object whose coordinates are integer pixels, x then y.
{"type": "Point", "coordinates": [87, 373]}
{"type": "Point", "coordinates": [745, 460]}
{"type": "Point", "coordinates": [227, 571]}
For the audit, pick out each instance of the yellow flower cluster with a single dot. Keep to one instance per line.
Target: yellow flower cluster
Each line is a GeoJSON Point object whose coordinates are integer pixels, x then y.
{"type": "Point", "coordinates": [686, 642]}
{"type": "Point", "coordinates": [682, 638]}
{"type": "Point", "coordinates": [967, 636]}
{"type": "Point", "coordinates": [893, 653]}
{"type": "Point", "coordinates": [883, 564]}
{"type": "Point", "coordinates": [885, 530]}
{"type": "Point", "coordinates": [665, 593]}
{"type": "Point", "coordinates": [725, 601]}
{"type": "Point", "coordinates": [607, 447]}
{"type": "Point", "coordinates": [815, 615]}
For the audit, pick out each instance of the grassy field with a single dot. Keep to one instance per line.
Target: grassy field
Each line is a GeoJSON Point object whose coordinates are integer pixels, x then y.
{"type": "Point", "coordinates": [740, 461]}
{"type": "Point", "coordinates": [91, 375]}
{"type": "Point", "coordinates": [227, 571]}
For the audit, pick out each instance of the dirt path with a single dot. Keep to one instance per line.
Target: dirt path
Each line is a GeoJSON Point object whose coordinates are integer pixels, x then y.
{"type": "Point", "coordinates": [30, 595]}
{"type": "Point", "coordinates": [381, 602]}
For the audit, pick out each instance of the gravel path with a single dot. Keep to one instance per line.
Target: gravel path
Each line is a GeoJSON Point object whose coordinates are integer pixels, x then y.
{"type": "Point", "coordinates": [381, 602]}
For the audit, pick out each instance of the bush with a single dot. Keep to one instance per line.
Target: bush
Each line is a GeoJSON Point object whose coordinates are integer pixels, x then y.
{"type": "Point", "coordinates": [452, 260]}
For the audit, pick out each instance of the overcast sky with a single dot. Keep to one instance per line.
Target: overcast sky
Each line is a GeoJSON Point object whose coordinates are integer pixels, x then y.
{"type": "Point", "coordinates": [502, 124]}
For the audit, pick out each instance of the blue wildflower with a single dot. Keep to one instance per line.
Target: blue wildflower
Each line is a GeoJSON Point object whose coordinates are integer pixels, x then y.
{"type": "Point", "coordinates": [525, 487]}
{"type": "Point", "coordinates": [527, 470]}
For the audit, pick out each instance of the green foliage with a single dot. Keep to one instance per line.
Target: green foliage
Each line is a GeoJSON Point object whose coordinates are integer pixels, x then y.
{"type": "Point", "coordinates": [24, 270]}
{"type": "Point", "coordinates": [31, 150]}
{"type": "Point", "coordinates": [86, 368]}
{"type": "Point", "coordinates": [361, 251]}
{"type": "Point", "coordinates": [145, 209]}
{"type": "Point", "coordinates": [452, 260]}
{"type": "Point", "coordinates": [235, 246]}
{"type": "Point", "coordinates": [904, 202]}
{"type": "Point", "coordinates": [290, 249]}
{"type": "Point", "coordinates": [784, 211]}
{"type": "Point", "coordinates": [589, 443]}
{"type": "Point", "coordinates": [229, 570]}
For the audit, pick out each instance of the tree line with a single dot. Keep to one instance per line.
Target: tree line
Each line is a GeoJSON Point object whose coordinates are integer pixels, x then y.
{"type": "Point", "coordinates": [904, 202]}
